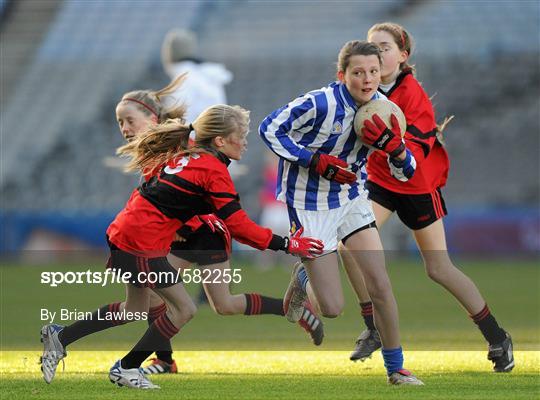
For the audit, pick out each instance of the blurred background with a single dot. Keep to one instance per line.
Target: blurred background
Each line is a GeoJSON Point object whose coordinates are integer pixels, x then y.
{"type": "Point", "coordinates": [66, 64]}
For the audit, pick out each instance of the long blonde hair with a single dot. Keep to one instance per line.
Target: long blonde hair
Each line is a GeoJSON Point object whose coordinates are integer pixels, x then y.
{"type": "Point", "coordinates": [166, 141]}
{"type": "Point", "coordinates": [150, 102]}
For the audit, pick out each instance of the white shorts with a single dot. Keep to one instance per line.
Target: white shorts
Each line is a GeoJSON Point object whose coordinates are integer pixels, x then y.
{"type": "Point", "coordinates": [332, 226]}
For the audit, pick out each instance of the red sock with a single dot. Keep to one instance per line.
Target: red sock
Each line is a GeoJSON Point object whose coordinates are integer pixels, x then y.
{"type": "Point", "coordinates": [257, 304]}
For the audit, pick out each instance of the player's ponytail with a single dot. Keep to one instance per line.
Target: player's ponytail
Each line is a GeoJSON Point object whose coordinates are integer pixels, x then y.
{"type": "Point", "coordinates": [159, 144]}
{"type": "Point", "coordinates": [152, 102]}
{"type": "Point", "coordinates": [177, 110]}
{"type": "Point", "coordinates": [164, 142]}
{"type": "Point", "coordinates": [441, 127]}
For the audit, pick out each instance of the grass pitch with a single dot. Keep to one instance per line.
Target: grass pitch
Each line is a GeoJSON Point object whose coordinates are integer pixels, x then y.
{"type": "Point", "coordinates": [268, 358]}
{"type": "Point", "coordinates": [278, 375]}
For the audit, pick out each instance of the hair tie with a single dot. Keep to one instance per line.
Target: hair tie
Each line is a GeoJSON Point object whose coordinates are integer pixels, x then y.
{"type": "Point", "coordinates": [143, 104]}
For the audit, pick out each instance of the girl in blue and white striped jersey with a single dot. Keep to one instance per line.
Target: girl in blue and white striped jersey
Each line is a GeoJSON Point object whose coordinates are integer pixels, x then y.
{"type": "Point", "coordinates": [320, 156]}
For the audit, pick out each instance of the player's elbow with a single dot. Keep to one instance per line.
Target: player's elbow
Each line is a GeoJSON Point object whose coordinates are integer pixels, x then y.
{"type": "Point", "coordinates": [262, 129]}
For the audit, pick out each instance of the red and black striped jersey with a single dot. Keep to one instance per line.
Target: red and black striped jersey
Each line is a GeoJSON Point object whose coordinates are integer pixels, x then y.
{"type": "Point", "coordinates": [190, 185]}
{"type": "Point", "coordinates": [420, 138]}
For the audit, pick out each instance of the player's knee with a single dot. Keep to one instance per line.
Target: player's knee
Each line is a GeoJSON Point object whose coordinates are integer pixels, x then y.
{"type": "Point", "coordinates": [180, 314]}
{"type": "Point", "coordinates": [437, 272]}
{"type": "Point", "coordinates": [379, 290]}
{"type": "Point", "coordinates": [331, 309]}
{"type": "Point", "coordinates": [188, 311]}
{"type": "Point", "coordinates": [224, 308]}
{"type": "Point", "coordinates": [331, 312]}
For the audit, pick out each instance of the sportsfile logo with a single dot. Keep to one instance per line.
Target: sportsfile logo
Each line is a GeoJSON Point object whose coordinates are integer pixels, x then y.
{"type": "Point", "coordinates": [112, 276]}
{"type": "Point", "coordinates": [109, 276]}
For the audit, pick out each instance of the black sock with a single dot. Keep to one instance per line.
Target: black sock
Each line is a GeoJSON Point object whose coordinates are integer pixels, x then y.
{"type": "Point", "coordinates": [164, 349]}
{"type": "Point", "coordinates": [367, 314]}
{"type": "Point", "coordinates": [95, 324]}
{"type": "Point", "coordinates": [257, 304]}
{"type": "Point", "coordinates": [487, 324]}
{"type": "Point", "coordinates": [161, 329]}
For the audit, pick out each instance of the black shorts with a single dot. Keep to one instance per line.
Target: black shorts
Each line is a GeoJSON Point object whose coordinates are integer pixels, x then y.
{"type": "Point", "coordinates": [416, 211]}
{"type": "Point", "coordinates": [202, 247]}
{"type": "Point", "coordinates": [155, 272]}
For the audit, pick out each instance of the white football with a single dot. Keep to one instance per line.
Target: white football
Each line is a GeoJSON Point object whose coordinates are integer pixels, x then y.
{"type": "Point", "coordinates": [383, 108]}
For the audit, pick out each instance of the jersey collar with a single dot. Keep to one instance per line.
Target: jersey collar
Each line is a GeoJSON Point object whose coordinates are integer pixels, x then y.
{"type": "Point", "coordinates": [218, 154]}
{"type": "Point", "coordinates": [398, 81]}
{"type": "Point", "coordinates": [346, 96]}
{"type": "Point", "coordinates": [223, 158]}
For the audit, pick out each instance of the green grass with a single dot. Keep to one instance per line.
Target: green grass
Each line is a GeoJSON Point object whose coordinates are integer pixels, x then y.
{"type": "Point", "coordinates": [430, 318]}
{"type": "Point", "coordinates": [279, 375]}
{"type": "Point", "coordinates": [431, 321]}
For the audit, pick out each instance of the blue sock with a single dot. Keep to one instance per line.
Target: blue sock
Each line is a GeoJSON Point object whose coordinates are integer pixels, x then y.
{"type": "Point", "coordinates": [393, 360]}
{"type": "Point", "coordinates": [302, 277]}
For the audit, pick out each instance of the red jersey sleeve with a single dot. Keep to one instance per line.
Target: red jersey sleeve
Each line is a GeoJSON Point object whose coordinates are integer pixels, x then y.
{"type": "Point", "coordinates": [421, 126]}
{"type": "Point", "coordinates": [226, 201]}
{"type": "Point", "coordinates": [431, 159]}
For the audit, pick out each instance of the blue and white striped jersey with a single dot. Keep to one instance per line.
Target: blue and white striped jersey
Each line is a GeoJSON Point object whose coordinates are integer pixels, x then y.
{"type": "Point", "coordinates": [319, 121]}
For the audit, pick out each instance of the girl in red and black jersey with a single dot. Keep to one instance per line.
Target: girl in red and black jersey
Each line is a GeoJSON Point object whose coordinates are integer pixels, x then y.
{"type": "Point", "coordinates": [411, 187]}
{"type": "Point", "coordinates": [187, 183]}
{"type": "Point", "coordinates": [137, 111]}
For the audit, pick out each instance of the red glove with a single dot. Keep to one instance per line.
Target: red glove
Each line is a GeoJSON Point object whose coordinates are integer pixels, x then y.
{"type": "Point", "coordinates": [217, 225]}
{"type": "Point", "coordinates": [304, 246]}
{"type": "Point", "coordinates": [331, 168]}
{"type": "Point", "coordinates": [379, 136]}
{"type": "Point", "coordinates": [214, 223]}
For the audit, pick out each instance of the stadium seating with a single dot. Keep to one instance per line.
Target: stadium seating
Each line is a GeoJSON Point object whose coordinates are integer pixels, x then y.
{"type": "Point", "coordinates": [58, 126]}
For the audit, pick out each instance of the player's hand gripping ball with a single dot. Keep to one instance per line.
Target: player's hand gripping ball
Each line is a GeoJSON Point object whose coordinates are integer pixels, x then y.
{"type": "Point", "coordinates": [381, 137]}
